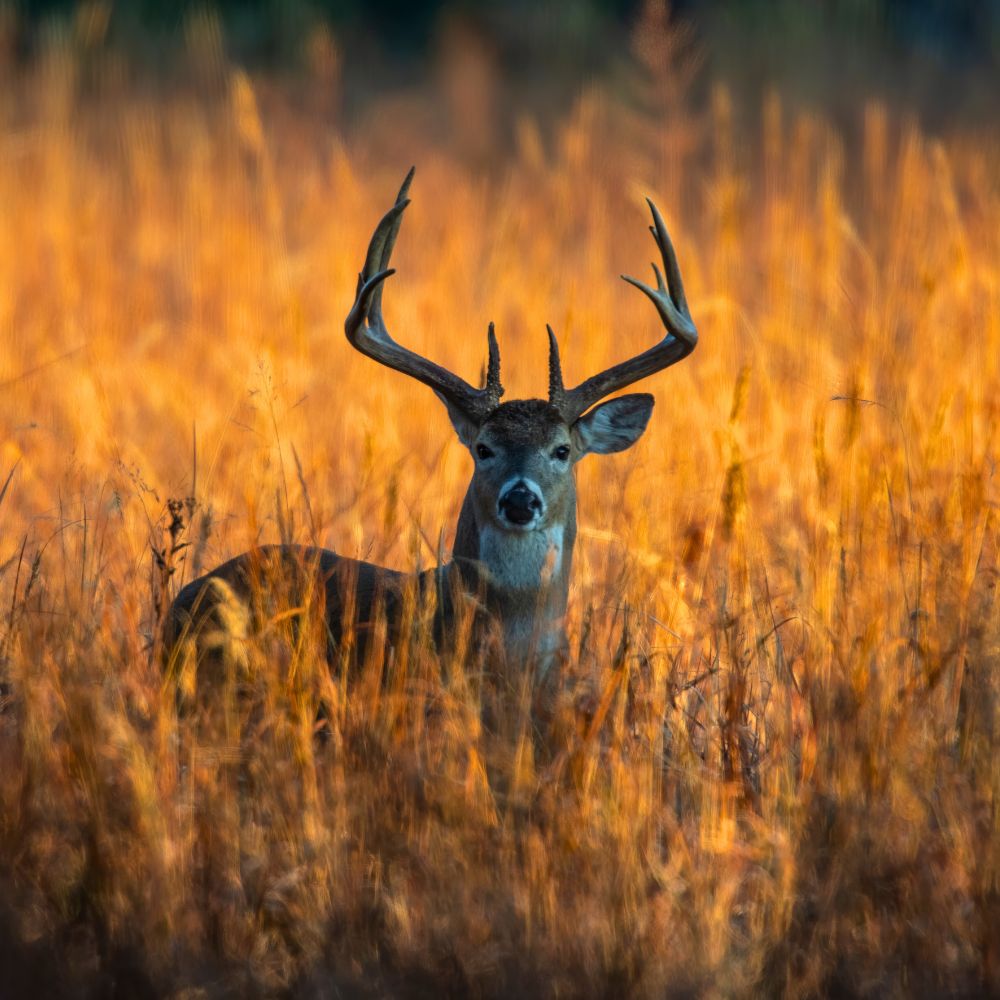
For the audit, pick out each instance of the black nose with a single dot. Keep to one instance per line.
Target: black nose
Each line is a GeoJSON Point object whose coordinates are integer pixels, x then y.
{"type": "Point", "coordinates": [520, 505]}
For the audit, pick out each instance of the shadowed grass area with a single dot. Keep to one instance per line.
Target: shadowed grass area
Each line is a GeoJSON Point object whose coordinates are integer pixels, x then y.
{"type": "Point", "coordinates": [784, 596]}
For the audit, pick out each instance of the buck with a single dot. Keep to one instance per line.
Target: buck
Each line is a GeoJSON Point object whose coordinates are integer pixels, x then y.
{"type": "Point", "coordinates": [513, 548]}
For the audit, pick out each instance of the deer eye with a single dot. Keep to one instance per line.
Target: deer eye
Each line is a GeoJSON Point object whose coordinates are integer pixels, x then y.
{"type": "Point", "coordinates": [561, 453]}
{"type": "Point", "coordinates": [483, 452]}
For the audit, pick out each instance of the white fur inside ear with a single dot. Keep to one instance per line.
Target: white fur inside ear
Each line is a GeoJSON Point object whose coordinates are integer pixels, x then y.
{"type": "Point", "coordinates": [614, 425]}
{"type": "Point", "coordinates": [464, 427]}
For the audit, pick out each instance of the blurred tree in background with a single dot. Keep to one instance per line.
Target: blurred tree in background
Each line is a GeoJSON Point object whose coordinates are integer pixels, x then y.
{"type": "Point", "coordinates": [940, 57]}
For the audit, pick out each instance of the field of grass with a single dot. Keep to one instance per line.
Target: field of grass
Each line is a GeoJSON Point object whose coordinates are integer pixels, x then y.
{"type": "Point", "coordinates": [785, 594]}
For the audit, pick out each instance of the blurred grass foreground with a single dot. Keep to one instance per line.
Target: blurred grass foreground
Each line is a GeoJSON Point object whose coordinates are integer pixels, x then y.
{"type": "Point", "coordinates": [785, 595]}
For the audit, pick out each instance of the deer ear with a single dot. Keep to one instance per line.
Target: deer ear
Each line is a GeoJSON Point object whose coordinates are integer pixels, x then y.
{"type": "Point", "coordinates": [465, 428]}
{"type": "Point", "coordinates": [614, 425]}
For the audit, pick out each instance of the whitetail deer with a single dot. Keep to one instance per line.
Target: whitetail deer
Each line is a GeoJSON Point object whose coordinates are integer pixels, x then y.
{"type": "Point", "coordinates": [514, 541]}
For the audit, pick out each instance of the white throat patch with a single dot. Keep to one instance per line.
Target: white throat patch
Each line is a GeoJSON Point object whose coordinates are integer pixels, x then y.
{"type": "Point", "coordinates": [522, 560]}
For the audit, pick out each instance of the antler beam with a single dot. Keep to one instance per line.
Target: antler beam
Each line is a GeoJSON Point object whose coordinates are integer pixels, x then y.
{"type": "Point", "coordinates": [366, 329]}
{"type": "Point", "coordinates": [680, 340]}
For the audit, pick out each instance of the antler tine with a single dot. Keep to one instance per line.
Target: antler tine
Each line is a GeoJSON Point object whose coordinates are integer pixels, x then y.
{"type": "Point", "coordinates": [493, 388]}
{"type": "Point", "coordinates": [382, 243]}
{"type": "Point", "coordinates": [367, 332]}
{"type": "Point", "coordinates": [680, 340]}
{"type": "Point", "coordinates": [557, 391]}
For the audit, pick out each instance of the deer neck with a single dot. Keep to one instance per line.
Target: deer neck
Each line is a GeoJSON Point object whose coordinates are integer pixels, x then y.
{"type": "Point", "coordinates": [525, 577]}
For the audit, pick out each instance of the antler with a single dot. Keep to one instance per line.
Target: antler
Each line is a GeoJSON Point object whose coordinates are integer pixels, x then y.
{"type": "Point", "coordinates": [680, 341]}
{"type": "Point", "coordinates": [366, 329]}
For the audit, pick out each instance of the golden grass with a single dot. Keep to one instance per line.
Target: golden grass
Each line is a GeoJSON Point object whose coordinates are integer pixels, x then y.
{"type": "Point", "coordinates": [793, 785]}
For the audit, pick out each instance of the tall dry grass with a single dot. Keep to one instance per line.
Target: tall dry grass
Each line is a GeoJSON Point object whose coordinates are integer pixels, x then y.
{"type": "Point", "coordinates": [785, 594]}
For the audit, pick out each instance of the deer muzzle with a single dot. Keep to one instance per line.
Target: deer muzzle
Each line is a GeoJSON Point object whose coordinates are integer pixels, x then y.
{"type": "Point", "coordinates": [520, 505]}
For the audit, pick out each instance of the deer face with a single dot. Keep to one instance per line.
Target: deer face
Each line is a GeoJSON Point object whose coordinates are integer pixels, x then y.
{"type": "Point", "coordinates": [524, 453]}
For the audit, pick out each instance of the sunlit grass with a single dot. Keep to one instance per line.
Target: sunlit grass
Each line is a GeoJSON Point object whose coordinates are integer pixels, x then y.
{"type": "Point", "coordinates": [784, 595]}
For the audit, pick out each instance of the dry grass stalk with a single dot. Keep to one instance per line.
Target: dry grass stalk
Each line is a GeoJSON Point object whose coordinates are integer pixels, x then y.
{"type": "Point", "coordinates": [788, 784]}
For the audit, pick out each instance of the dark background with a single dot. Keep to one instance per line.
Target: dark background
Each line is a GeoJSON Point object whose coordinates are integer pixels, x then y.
{"type": "Point", "coordinates": [941, 58]}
